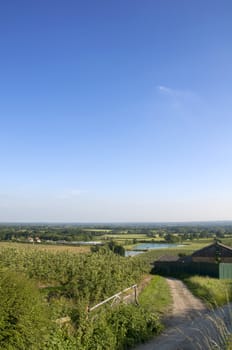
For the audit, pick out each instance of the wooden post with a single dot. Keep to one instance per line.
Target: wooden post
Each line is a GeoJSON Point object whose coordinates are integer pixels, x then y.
{"type": "Point", "coordinates": [136, 295]}
{"type": "Point", "coordinates": [87, 312]}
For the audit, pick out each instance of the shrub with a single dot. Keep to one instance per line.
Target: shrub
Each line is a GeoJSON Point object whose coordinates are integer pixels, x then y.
{"type": "Point", "coordinates": [118, 328]}
{"type": "Point", "coordinates": [213, 291]}
{"type": "Point", "coordinates": [24, 320]}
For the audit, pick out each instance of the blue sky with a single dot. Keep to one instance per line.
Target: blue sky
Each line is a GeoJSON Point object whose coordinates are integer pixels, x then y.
{"type": "Point", "coordinates": [115, 110]}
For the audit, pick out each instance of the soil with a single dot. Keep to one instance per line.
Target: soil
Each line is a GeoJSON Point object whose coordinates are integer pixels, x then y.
{"type": "Point", "coordinates": [190, 326]}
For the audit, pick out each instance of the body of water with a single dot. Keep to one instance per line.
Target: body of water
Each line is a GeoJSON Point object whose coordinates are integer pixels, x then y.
{"type": "Point", "coordinates": [143, 247]}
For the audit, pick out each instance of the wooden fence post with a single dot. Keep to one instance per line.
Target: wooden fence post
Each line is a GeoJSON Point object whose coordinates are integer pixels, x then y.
{"type": "Point", "coordinates": [136, 295]}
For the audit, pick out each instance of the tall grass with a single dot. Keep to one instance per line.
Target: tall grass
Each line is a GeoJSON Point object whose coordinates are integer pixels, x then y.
{"type": "Point", "coordinates": [215, 293]}
{"type": "Point", "coordinates": [212, 291]}
{"type": "Point", "coordinates": [229, 342]}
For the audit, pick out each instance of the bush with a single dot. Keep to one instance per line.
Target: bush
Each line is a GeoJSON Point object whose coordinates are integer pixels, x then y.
{"type": "Point", "coordinates": [24, 320]}
{"type": "Point", "coordinates": [132, 325]}
{"type": "Point", "coordinates": [118, 328]}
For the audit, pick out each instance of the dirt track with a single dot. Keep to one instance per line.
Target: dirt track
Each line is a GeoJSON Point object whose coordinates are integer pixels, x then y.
{"type": "Point", "coordinates": [185, 305]}
{"type": "Point", "coordinates": [191, 326]}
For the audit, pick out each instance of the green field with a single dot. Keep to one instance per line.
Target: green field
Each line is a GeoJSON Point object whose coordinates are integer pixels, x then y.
{"type": "Point", "coordinates": [127, 236]}
{"type": "Point", "coordinates": [96, 230]}
{"type": "Point", "coordinates": [45, 247]}
{"type": "Point", "coordinates": [127, 240]}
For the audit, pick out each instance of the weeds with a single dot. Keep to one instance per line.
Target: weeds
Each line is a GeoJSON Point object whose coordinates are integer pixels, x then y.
{"type": "Point", "coordinates": [212, 291]}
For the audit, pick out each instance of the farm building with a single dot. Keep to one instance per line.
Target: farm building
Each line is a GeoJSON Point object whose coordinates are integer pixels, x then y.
{"type": "Point", "coordinates": [215, 252]}
{"type": "Point", "coordinates": [214, 260]}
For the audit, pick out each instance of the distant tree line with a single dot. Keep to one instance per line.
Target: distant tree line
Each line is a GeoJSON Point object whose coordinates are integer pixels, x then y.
{"type": "Point", "coordinates": [88, 233]}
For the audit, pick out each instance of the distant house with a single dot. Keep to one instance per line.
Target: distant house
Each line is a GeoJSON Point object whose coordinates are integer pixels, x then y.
{"type": "Point", "coordinates": [214, 260]}
{"type": "Point", "coordinates": [34, 240]}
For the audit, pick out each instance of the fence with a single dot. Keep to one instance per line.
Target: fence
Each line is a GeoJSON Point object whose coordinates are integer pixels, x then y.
{"type": "Point", "coordinates": [117, 297]}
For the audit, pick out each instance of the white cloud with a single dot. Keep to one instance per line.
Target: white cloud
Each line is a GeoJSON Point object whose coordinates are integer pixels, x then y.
{"type": "Point", "coordinates": [179, 98]}
{"type": "Point", "coordinates": [166, 90]}
{"type": "Point", "coordinates": [176, 92]}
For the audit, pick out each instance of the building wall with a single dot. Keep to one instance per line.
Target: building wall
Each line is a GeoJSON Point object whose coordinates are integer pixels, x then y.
{"type": "Point", "coordinates": [193, 268]}
{"type": "Point", "coordinates": [225, 271]}
{"type": "Point", "coordinates": [211, 259]}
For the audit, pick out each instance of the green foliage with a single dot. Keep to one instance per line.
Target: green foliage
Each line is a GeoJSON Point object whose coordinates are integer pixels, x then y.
{"type": "Point", "coordinates": [133, 325]}
{"type": "Point", "coordinates": [72, 282]}
{"type": "Point", "coordinates": [120, 233]}
{"type": "Point", "coordinates": [213, 291]}
{"type": "Point", "coordinates": [112, 246]}
{"type": "Point", "coordinates": [116, 248]}
{"type": "Point", "coordinates": [118, 328]}
{"type": "Point", "coordinates": [170, 238]}
{"type": "Point", "coordinates": [24, 320]}
{"type": "Point", "coordinates": [59, 339]}
{"type": "Point", "coordinates": [92, 277]}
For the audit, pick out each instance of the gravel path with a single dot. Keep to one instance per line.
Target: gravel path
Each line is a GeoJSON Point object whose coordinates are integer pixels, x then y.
{"type": "Point", "coordinates": [191, 326]}
{"type": "Point", "coordinates": [185, 305]}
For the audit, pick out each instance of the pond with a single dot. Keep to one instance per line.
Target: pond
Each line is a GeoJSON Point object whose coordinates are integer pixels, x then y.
{"type": "Point", "coordinates": [143, 247]}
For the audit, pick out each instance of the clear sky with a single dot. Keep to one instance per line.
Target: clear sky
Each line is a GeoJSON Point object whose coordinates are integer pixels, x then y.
{"type": "Point", "coordinates": [115, 110]}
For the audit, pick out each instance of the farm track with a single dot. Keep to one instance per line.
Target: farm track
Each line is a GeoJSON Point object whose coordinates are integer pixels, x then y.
{"type": "Point", "coordinates": [190, 326]}
{"type": "Point", "coordinates": [185, 305]}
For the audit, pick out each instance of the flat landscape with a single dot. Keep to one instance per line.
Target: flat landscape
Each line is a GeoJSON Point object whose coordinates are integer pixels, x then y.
{"type": "Point", "coordinates": [115, 191]}
{"type": "Point", "coordinates": [68, 278]}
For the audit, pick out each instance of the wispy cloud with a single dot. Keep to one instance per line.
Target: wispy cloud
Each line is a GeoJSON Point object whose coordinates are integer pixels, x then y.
{"type": "Point", "coordinates": [166, 90]}
{"type": "Point", "coordinates": [177, 97]}
{"type": "Point", "coordinates": [176, 92]}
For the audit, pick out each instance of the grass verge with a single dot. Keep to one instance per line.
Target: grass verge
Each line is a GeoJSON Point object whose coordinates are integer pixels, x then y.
{"type": "Point", "coordinates": [156, 296]}
{"type": "Point", "coordinates": [212, 291]}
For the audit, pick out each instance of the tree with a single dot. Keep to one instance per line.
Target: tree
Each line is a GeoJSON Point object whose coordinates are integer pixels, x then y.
{"type": "Point", "coordinates": [116, 248]}
{"type": "Point", "coordinates": [113, 246]}
{"type": "Point", "coordinates": [169, 238]}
